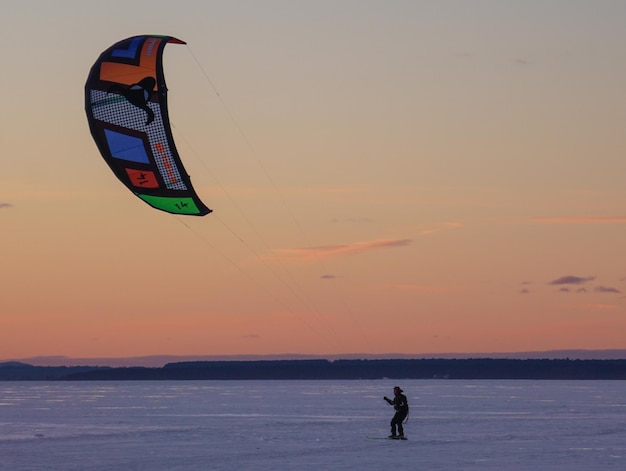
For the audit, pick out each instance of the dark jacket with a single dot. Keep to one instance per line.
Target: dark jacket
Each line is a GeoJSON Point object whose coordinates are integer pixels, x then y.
{"type": "Point", "coordinates": [399, 403]}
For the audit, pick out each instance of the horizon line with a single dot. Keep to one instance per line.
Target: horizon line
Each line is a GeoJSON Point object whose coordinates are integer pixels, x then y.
{"type": "Point", "coordinates": [159, 360]}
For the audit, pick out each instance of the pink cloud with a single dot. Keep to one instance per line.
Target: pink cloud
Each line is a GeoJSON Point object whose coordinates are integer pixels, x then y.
{"type": "Point", "coordinates": [435, 228]}
{"type": "Point", "coordinates": [354, 248]}
{"type": "Point", "coordinates": [581, 220]}
{"type": "Point", "coordinates": [594, 307]}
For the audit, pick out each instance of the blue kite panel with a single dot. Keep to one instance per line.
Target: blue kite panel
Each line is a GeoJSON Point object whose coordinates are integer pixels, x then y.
{"type": "Point", "coordinates": [126, 147]}
{"type": "Point", "coordinates": [131, 51]}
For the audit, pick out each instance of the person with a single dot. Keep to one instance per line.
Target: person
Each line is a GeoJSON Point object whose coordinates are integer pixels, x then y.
{"type": "Point", "coordinates": [401, 406]}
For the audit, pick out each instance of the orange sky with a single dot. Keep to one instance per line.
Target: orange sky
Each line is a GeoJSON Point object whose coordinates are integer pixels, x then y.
{"type": "Point", "coordinates": [407, 177]}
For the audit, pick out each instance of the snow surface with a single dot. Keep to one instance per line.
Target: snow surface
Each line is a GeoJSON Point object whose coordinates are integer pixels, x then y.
{"type": "Point", "coordinates": [311, 425]}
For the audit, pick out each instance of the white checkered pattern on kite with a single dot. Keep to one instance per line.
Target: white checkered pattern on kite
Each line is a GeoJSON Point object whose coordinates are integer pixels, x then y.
{"type": "Point", "coordinates": [114, 109]}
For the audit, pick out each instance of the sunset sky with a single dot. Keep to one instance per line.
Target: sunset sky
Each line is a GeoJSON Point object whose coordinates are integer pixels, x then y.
{"type": "Point", "coordinates": [386, 177]}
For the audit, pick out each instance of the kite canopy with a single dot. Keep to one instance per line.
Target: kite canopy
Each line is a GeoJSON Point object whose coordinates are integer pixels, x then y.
{"type": "Point", "coordinates": [126, 105]}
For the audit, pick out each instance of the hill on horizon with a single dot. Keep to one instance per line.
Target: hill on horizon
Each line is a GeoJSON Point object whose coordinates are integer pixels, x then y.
{"type": "Point", "coordinates": [161, 360]}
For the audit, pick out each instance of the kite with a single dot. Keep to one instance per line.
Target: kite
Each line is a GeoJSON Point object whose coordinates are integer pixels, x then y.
{"type": "Point", "coordinates": [126, 106]}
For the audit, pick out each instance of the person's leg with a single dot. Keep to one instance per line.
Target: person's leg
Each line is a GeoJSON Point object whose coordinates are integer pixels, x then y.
{"type": "Point", "coordinates": [394, 424]}
{"type": "Point", "coordinates": [399, 419]}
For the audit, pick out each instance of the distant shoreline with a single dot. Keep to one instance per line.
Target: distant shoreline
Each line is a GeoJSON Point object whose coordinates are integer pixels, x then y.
{"type": "Point", "coordinates": [323, 369]}
{"type": "Point", "coordinates": [161, 360]}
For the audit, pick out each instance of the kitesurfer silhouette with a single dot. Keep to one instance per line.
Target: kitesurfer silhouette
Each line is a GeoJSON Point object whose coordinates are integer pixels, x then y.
{"type": "Point", "coordinates": [401, 406]}
{"type": "Point", "coordinates": [138, 94]}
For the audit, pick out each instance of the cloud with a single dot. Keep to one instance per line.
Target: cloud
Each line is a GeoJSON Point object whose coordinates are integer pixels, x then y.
{"type": "Point", "coordinates": [606, 289]}
{"type": "Point", "coordinates": [328, 277]}
{"type": "Point", "coordinates": [439, 227]}
{"type": "Point", "coordinates": [594, 307]}
{"type": "Point", "coordinates": [354, 248]}
{"type": "Point", "coordinates": [603, 307]}
{"type": "Point", "coordinates": [5, 205]}
{"type": "Point", "coordinates": [580, 220]}
{"type": "Point", "coordinates": [572, 280]}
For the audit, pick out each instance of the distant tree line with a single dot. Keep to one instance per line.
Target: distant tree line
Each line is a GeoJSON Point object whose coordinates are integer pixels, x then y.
{"type": "Point", "coordinates": [480, 368]}
{"type": "Point", "coordinates": [15, 371]}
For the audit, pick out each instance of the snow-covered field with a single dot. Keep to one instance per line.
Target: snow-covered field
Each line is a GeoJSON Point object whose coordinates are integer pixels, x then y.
{"type": "Point", "coordinates": [311, 425]}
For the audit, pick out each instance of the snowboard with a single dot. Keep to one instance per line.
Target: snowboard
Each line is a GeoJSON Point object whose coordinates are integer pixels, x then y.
{"type": "Point", "coordinates": [385, 438]}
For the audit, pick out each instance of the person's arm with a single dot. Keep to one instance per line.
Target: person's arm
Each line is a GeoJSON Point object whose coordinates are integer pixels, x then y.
{"type": "Point", "coordinates": [388, 400]}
